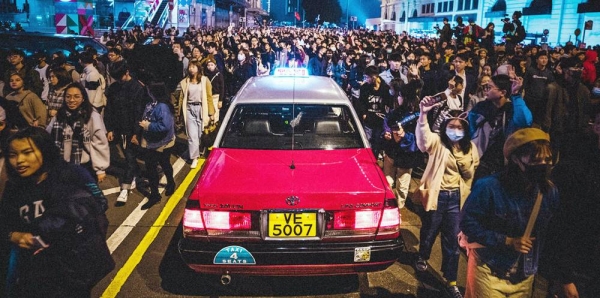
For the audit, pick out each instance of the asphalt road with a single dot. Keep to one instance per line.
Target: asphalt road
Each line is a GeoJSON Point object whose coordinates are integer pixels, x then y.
{"type": "Point", "coordinates": [144, 246]}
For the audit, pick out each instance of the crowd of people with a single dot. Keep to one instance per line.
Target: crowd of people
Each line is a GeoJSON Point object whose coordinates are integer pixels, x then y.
{"type": "Point", "coordinates": [486, 123]}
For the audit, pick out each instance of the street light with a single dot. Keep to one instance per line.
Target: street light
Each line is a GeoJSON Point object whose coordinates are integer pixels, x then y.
{"type": "Point", "coordinates": [348, 14]}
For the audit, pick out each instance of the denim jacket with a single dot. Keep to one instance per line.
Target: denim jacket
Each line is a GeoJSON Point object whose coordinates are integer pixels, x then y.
{"type": "Point", "coordinates": [491, 213]}
{"type": "Point", "coordinates": [161, 130]}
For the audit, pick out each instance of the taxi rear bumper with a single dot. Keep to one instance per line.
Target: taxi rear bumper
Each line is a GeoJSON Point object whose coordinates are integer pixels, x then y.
{"type": "Point", "coordinates": [292, 259]}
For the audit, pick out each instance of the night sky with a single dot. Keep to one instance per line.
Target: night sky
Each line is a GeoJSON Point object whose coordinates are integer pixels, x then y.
{"type": "Point", "coordinates": [363, 9]}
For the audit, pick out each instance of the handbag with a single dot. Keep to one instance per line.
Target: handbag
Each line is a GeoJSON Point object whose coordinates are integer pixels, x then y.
{"type": "Point", "coordinates": [209, 134]}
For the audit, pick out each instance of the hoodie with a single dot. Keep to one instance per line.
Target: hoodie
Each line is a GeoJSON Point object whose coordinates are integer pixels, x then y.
{"type": "Point", "coordinates": [588, 75]}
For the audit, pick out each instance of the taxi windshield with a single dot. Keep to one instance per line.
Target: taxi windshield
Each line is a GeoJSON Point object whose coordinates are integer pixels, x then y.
{"type": "Point", "coordinates": [287, 126]}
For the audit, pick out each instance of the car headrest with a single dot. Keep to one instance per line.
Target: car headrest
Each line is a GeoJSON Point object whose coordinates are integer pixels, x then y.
{"type": "Point", "coordinates": [327, 127]}
{"type": "Point", "coordinates": [257, 126]}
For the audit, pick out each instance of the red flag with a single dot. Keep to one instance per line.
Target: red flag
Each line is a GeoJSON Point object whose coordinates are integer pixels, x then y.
{"type": "Point", "coordinates": [297, 15]}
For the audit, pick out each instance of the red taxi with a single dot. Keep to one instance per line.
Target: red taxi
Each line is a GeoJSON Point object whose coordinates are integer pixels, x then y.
{"type": "Point", "coordinates": [290, 187]}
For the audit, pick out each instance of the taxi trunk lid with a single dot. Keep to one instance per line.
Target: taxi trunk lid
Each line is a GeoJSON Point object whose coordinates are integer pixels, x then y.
{"type": "Point", "coordinates": [258, 179]}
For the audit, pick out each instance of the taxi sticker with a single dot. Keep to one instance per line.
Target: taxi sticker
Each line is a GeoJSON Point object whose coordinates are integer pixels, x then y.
{"type": "Point", "coordinates": [234, 255]}
{"type": "Point", "coordinates": [362, 254]}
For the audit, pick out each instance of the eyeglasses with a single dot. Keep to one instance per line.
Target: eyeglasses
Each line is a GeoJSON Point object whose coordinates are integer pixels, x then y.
{"type": "Point", "coordinates": [488, 87]}
{"type": "Point", "coordinates": [73, 97]}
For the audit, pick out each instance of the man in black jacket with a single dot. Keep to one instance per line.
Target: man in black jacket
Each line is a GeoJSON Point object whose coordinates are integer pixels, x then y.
{"type": "Point", "coordinates": [536, 82]}
{"type": "Point", "coordinates": [374, 102]}
{"type": "Point", "coordinates": [126, 99]}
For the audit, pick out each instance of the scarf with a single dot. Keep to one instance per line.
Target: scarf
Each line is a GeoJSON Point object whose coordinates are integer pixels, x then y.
{"type": "Point", "coordinates": [75, 121]}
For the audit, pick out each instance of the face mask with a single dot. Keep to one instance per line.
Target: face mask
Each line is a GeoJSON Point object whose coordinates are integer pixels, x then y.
{"type": "Point", "coordinates": [596, 91]}
{"type": "Point", "coordinates": [389, 51]}
{"type": "Point", "coordinates": [241, 57]}
{"type": "Point", "coordinates": [537, 174]}
{"type": "Point", "coordinates": [455, 135]}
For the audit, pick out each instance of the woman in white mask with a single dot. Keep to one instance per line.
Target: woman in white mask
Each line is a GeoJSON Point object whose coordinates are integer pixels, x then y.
{"type": "Point", "coordinates": [445, 185]}
{"type": "Point", "coordinates": [245, 69]}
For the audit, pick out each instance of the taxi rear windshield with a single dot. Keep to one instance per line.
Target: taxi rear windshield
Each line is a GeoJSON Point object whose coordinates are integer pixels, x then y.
{"type": "Point", "coordinates": [287, 126]}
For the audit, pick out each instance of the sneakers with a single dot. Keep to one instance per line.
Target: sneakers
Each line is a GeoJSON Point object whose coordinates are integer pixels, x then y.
{"type": "Point", "coordinates": [132, 185]}
{"type": "Point", "coordinates": [194, 163]}
{"type": "Point", "coordinates": [421, 264]}
{"type": "Point", "coordinates": [454, 292]}
{"type": "Point", "coordinates": [122, 198]}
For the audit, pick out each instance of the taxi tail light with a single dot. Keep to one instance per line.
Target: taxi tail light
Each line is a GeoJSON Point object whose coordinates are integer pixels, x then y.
{"type": "Point", "coordinates": [196, 222]}
{"type": "Point", "coordinates": [390, 221]}
{"type": "Point", "coordinates": [225, 220]}
{"type": "Point", "coordinates": [386, 222]}
{"type": "Point", "coordinates": [356, 219]}
{"type": "Point", "coordinates": [193, 225]}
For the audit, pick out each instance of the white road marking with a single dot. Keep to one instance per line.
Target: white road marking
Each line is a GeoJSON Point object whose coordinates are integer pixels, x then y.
{"type": "Point", "coordinates": [111, 191]}
{"type": "Point", "coordinates": [131, 221]}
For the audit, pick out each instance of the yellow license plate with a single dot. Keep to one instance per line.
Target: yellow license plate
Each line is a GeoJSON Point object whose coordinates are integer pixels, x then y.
{"type": "Point", "coordinates": [292, 225]}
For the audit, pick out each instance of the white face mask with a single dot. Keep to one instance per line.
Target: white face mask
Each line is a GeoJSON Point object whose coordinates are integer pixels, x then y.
{"type": "Point", "coordinates": [241, 57]}
{"type": "Point", "coordinates": [455, 135]}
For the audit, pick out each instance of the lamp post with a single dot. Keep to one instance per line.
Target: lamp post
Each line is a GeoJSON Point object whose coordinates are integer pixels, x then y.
{"type": "Point", "coordinates": [348, 14]}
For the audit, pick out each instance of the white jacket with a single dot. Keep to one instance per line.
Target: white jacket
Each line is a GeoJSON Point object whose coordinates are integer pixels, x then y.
{"type": "Point", "coordinates": [95, 85]}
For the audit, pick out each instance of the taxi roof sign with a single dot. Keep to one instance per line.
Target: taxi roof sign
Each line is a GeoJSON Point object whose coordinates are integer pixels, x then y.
{"type": "Point", "coordinates": [291, 72]}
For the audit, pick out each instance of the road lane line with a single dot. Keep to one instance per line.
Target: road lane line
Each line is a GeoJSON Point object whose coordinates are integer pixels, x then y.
{"type": "Point", "coordinates": [111, 191]}
{"type": "Point", "coordinates": [123, 274]}
{"type": "Point", "coordinates": [136, 215]}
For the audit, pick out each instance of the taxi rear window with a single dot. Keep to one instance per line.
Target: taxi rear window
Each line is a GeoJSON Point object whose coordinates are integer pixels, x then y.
{"type": "Point", "coordinates": [287, 126]}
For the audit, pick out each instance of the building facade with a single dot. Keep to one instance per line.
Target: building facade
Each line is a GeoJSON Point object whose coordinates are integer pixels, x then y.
{"type": "Point", "coordinates": [560, 17]}
{"type": "Point", "coordinates": [86, 17]}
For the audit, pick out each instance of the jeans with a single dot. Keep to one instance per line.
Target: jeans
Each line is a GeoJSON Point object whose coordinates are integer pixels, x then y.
{"type": "Point", "coordinates": [373, 135]}
{"type": "Point", "coordinates": [194, 127]}
{"type": "Point", "coordinates": [446, 218]}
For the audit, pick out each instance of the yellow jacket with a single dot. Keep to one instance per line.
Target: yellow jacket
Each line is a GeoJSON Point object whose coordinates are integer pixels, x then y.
{"type": "Point", "coordinates": [208, 108]}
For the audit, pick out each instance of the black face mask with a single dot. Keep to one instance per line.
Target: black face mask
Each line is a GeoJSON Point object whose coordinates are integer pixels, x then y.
{"type": "Point", "coordinates": [537, 174]}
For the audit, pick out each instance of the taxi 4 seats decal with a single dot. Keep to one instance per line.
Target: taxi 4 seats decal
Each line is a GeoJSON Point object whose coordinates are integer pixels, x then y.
{"type": "Point", "coordinates": [234, 255]}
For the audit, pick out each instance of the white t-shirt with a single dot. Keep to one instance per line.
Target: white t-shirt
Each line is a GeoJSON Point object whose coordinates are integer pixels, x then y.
{"type": "Point", "coordinates": [45, 81]}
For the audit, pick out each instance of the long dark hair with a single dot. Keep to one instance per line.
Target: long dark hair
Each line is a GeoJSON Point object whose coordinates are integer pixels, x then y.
{"type": "Point", "coordinates": [61, 75]}
{"type": "Point", "coordinates": [465, 142]}
{"type": "Point", "coordinates": [85, 109]}
{"type": "Point", "coordinates": [158, 91]}
{"type": "Point", "coordinates": [43, 141]}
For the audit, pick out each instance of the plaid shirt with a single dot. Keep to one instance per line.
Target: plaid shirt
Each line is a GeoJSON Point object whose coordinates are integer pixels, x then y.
{"type": "Point", "coordinates": [55, 98]}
